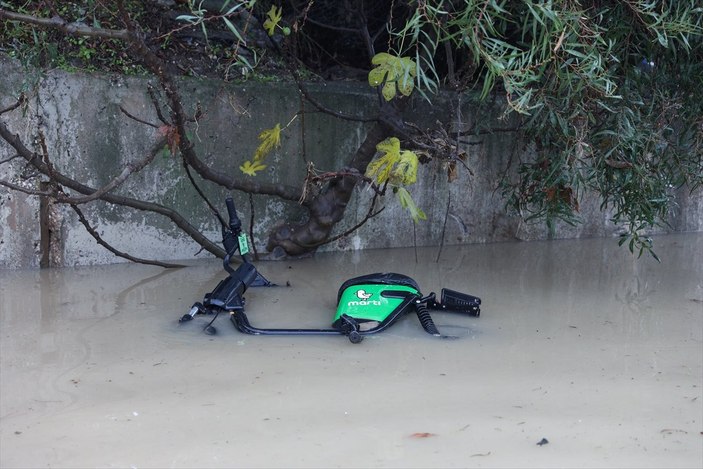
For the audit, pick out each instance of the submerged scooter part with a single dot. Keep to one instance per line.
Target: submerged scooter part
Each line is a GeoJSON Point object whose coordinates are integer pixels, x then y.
{"type": "Point", "coordinates": [228, 294]}
{"type": "Point", "coordinates": [376, 301]}
{"type": "Point", "coordinates": [365, 305]}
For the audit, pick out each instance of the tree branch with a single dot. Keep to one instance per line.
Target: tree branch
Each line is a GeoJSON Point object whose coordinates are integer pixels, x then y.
{"type": "Point", "coordinates": [127, 171]}
{"type": "Point", "coordinates": [157, 106]}
{"type": "Point", "coordinates": [25, 190]}
{"type": "Point", "coordinates": [179, 120]}
{"type": "Point", "coordinates": [107, 246]}
{"type": "Point", "coordinates": [36, 161]}
{"type": "Point", "coordinates": [369, 215]}
{"type": "Point", "coordinates": [20, 101]}
{"type": "Point", "coordinates": [308, 96]}
{"type": "Point", "coordinates": [7, 160]}
{"type": "Point", "coordinates": [72, 29]}
{"type": "Point", "coordinates": [133, 37]}
{"type": "Point", "coordinates": [135, 118]}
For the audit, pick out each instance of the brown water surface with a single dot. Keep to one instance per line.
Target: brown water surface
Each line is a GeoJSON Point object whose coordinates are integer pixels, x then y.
{"type": "Point", "coordinates": [579, 343]}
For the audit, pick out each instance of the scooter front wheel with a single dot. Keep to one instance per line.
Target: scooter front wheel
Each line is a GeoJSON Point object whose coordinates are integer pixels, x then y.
{"type": "Point", "coordinates": [355, 337]}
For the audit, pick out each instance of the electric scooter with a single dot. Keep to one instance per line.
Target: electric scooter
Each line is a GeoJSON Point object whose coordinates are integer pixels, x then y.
{"type": "Point", "coordinates": [365, 305]}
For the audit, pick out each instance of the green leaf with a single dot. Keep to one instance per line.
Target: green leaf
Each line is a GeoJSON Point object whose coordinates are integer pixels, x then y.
{"type": "Point", "coordinates": [395, 73]}
{"type": "Point", "coordinates": [188, 18]}
{"type": "Point", "coordinates": [274, 16]}
{"type": "Point", "coordinates": [234, 8]}
{"type": "Point", "coordinates": [231, 27]}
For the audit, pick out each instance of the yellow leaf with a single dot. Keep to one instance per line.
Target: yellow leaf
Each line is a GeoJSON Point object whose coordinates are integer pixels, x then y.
{"type": "Point", "coordinates": [250, 168]}
{"type": "Point", "coordinates": [399, 168]}
{"type": "Point", "coordinates": [380, 169]}
{"type": "Point", "coordinates": [394, 165]}
{"type": "Point", "coordinates": [273, 18]}
{"type": "Point", "coordinates": [390, 146]}
{"type": "Point", "coordinates": [405, 172]}
{"type": "Point", "coordinates": [270, 139]}
{"type": "Point", "coordinates": [407, 202]}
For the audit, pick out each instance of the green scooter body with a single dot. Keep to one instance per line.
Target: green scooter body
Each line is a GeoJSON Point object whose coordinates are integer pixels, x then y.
{"type": "Point", "coordinates": [376, 300]}
{"type": "Point", "coordinates": [369, 302]}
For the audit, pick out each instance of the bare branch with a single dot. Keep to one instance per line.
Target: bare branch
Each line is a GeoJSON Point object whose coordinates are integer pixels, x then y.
{"type": "Point", "coordinates": [127, 171]}
{"type": "Point", "coordinates": [324, 109]}
{"type": "Point", "coordinates": [306, 93]}
{"type": "Point", "coordinates": [20, 101]}
{"type": "Point", "coordinates": [107, 246]}
{"type": "Point", "coordinates": [157, 106]}
{"type": "Point", "coordinates": [36, 161]}
{"type": "Point", "coordinates": [72, 29]}
{"type": "Point", "coordinates": [332, 27]}
{"type": "Point", "coordinates": [317, 178]}
{"type": "Point", "coordinates": [25, 190]}
{"type": "Point", "coordinates": [133, 117]}
{"type": "Point", "coordinates": [444, 226]}
{"type": "Point", "coordinates": [7, 160]}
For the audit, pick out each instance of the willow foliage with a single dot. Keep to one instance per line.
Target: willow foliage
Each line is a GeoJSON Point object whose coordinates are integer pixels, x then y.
{"type": "Point", "coordinates": [610, 93]}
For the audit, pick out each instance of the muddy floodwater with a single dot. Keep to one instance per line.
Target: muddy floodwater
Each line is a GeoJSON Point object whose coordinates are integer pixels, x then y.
{"type": "Point", "coordinates": [580, 347]}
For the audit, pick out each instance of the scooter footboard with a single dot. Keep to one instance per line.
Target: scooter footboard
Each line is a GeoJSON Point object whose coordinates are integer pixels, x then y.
{"type": "Point", "coordinates": [452, 300]}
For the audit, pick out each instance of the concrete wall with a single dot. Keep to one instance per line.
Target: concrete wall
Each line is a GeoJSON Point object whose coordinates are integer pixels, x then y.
{"type": "Point", "coordinates": [90, 138]}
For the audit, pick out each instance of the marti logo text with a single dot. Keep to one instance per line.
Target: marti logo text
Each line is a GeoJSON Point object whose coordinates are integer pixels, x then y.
{"type": "Point", "coordinates": [364, 299]}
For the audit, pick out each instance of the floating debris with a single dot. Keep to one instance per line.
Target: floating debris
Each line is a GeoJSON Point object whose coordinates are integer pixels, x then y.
{"type": "Point", "coordinates": [422, 435]}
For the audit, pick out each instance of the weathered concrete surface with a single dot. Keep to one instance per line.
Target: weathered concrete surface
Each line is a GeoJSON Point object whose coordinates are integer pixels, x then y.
{"type": "Point", "coordinates": [90, 138]}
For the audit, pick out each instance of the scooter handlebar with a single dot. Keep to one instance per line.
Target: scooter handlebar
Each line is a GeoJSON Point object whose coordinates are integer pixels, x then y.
{"type": "Point", "coordinates": [235, 223]}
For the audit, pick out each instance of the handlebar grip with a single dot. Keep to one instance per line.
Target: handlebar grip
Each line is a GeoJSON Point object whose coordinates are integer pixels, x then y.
{"type": "Point", "coordinates": [230, 208]}
{"type": "Point", "coordinates": [234, 221]}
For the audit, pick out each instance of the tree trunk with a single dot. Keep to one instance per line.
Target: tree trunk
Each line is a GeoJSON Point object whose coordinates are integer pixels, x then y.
{"type": "Point", "coordinates": [328, 207]}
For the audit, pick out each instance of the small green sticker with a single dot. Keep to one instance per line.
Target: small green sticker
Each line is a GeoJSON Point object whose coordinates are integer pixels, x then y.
{"type": "Point", "coordinates": [243, 244]}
